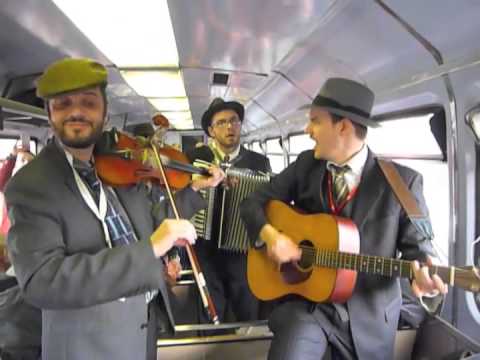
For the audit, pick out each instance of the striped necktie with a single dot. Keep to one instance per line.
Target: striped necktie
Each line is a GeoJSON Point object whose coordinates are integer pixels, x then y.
{"type": "Point", "coordinates": [340, 186]}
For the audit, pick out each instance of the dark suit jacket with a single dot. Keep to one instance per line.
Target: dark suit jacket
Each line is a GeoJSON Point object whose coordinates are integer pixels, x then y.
{"type": "Point", "coordinates": [384, 228]}
{"type": "Point", "coordinates": [64, 266]}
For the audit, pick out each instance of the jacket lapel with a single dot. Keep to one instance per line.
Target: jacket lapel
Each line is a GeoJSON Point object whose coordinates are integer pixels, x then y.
{"type": "Point", "coordinates": [240, 157]}
{"type": "Point", "coordinates": [57, 155]}
{"type": "Point", "coordinates": [71, 184]}
{"type": "Point", "coordinates": [368, 192]}
{"type": "Point", "coordinates": [323, 204]}
{"type": "Point", "coordinates": [314, 188]}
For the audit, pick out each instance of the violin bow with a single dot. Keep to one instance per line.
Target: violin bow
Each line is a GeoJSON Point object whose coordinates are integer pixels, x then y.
{"type": "Point", "coordinates": [197, 271]}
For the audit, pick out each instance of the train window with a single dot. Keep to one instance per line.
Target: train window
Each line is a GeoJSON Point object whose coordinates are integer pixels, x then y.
{"type": "Point", "coordinates": [7, 144]}
{"type": "Point", "coordinates": [435, 190]}
{"type": "Point", "coordinates": [408, 137]}
{"type": "Point", "coordinates": [273, 146]}
{"type": "Point", "coordinates": [410, 142]}
{"type": "Point", "coordinates": [301, 142]}
{"type": "Point", "coordinates": [277, 162]}
{"type": "Point", "coordinates": [256, 147]}
{"type": "Point", "coordinates": [274, 153]}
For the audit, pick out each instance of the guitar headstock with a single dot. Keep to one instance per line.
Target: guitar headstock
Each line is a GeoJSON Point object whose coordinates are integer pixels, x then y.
{"type": "Point", "coordinates": [468, 278]}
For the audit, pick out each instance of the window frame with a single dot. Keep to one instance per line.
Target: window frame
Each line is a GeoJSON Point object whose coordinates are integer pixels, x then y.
{"type": "Point", "coordinates": [417, 112]}
{"type": "Point", "coordinates": [409, 113]}
{"type": "Point", "coordinates": [275, 153]}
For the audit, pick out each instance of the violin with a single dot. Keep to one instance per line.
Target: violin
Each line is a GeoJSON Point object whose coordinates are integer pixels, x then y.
{"type": "Point", "coordinates": [121, 159]}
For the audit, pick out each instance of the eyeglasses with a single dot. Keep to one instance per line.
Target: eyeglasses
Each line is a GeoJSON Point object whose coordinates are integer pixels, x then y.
{"type": "Point", "coordinates": [223, 123]}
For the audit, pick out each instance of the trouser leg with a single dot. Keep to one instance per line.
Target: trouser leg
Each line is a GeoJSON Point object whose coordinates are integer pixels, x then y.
{"type": "Point", "coordinates": [303, 332]}
{"type": "Point", "coordinates": [244, 303]}
{"type": "Point", "coordinates": [297, 334]}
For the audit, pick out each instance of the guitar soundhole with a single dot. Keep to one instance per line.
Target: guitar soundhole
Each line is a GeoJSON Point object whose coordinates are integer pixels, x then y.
{"type": "Point", "coordinates": [294, 273]}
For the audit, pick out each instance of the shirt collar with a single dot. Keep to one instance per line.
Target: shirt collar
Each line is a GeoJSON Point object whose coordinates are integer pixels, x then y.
{"type": "Point", "coordinates": [74, 163]}
{"type": "Point", "coordinates": [232, 155]}
{"type": "Point", "coordinates": [356, 162]}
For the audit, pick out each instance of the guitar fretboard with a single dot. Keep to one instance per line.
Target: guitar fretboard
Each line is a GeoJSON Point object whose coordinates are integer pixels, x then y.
{"type": "Point", "coordinates": [375, 265]}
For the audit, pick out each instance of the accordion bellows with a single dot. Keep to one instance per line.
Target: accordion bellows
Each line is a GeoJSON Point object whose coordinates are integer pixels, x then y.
{"type": "Point", "coordinates": [224, 205]}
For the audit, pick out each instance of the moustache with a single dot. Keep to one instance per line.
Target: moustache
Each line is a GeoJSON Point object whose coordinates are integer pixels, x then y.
{"type": "Point", "coordinates": [77, 119]}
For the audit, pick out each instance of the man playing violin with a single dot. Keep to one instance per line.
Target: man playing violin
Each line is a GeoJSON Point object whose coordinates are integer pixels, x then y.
{"type": "Point", "coordinates": [86, 253]}
{"type": "Point", "coordinates": [341, 176]}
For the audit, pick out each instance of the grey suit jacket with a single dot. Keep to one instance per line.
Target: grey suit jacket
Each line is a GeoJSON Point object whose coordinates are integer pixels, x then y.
{"type": "Point", "coordinates": [384, 229]}
{"type": "Point", "coordinates": [92, 297]}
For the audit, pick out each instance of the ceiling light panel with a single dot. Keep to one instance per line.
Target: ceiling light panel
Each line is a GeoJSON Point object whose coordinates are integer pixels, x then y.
{"type": "Point", "coordinates": [170, 104]}
{"type": "Point", "coordinates": [130, 34]}
{"type": "Point", "coordinates": [155, 84]}
{"type": "Point", "coordinates": [179, 119]}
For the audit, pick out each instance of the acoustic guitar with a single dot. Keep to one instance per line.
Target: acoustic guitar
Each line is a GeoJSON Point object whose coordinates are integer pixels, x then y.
{"type": "Point", "coordinates": [327, 270]}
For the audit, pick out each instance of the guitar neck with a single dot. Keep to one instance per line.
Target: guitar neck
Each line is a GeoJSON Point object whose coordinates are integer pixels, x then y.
{"type": "Point", "coordinates": [376, 265]}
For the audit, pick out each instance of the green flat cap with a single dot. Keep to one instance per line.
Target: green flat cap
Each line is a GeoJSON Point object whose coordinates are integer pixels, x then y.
{"type": "Point", "coordinates": [70, 74]}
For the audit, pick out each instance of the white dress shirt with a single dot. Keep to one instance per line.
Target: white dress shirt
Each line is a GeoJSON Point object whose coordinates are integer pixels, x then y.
{"type": "Point", "coordinates": [356, 164]}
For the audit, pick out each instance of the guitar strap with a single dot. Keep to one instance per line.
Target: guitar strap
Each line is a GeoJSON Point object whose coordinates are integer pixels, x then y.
{"type": "Point", "coordinates": [406, 199]}
{"type": "Point", "coordinates": [420, 221]}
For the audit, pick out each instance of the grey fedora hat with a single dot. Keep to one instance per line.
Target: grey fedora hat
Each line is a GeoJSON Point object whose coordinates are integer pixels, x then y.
{"type": "Point", "coordinates": [346, 98]}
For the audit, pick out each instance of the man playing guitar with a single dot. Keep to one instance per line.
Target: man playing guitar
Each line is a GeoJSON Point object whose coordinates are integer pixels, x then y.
{"type": "Point", "coordinates": [341, 176]}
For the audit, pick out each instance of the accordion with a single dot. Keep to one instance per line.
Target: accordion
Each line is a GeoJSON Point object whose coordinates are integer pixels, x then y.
{"type": "Point", "coordinates": [221, 218]}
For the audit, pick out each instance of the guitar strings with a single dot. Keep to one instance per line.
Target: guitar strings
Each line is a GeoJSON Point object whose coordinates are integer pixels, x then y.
{"type": "Point", "coordinates": [311, 253]}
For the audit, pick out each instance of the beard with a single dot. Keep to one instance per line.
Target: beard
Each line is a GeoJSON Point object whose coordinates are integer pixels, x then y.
{"type": "Point", "coordinates": [74, 138]}
{"type": "Point", "coordinates": [229, 142]}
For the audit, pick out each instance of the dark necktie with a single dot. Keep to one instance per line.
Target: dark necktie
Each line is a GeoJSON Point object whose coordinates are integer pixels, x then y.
{"type": "Point", "coordinates": [120, 231]}
{"type": "Point", "coordinates": [340, 193]}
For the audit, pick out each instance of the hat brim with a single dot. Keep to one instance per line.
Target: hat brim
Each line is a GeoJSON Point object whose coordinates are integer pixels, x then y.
{"type": "Point", "coordinates": [228, 105]}
{"type": "Point", "coordinates": [352, 116]}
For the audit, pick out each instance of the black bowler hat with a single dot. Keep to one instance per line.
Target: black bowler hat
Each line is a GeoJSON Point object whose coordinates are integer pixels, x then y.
{"type": "Point", "coordinates": [219, 105]}
{"type": "Point", "coordinates": [346, 98]}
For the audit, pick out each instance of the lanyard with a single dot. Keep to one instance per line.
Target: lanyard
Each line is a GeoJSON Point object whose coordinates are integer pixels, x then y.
{"type": "Point", "coordinates": [337, 208]}
{"type": "Point", "coordinates": [100, 211]}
